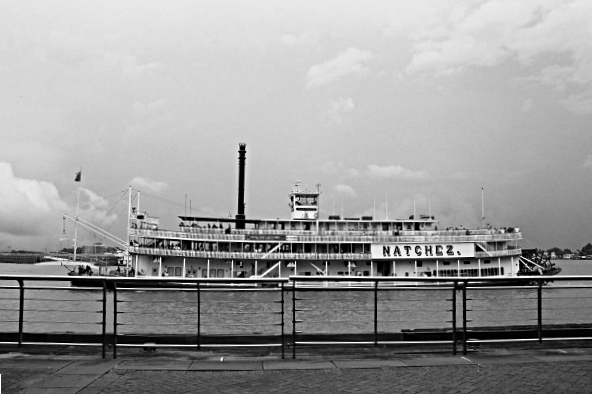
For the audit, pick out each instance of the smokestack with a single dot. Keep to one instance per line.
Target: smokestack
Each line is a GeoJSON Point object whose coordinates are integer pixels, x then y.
{"type": "Point", "coordinates": [240, 216]}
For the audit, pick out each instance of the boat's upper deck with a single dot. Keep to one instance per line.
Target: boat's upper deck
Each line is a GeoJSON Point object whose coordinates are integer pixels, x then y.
{"type": "Point", "coordinates": [423, 229]}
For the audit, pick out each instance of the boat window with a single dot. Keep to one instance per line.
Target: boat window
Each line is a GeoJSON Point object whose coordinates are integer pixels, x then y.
{"type": "Point", "coordinates": [204, 273]}
{"type": "Point", "coordinates": [177, 271]}
{"type": "Point", "coordinates": [420, 263]}
{"type": "Point", "coordinates": [212, 273]}
{"type": "Point", "coordinates": [220, 273]}
{"type": "Point", "coordinates": [502, 270]}
{"type": "Point", "coordinates": [446, 263]}
{"type": "Point", "coordinates": [487, 261]}
{"type": "Point", "coordinates": [466, 262]}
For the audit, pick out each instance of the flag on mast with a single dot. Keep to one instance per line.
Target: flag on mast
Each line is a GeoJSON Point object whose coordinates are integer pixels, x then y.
{"type": "Point", "coordinates": [78, 176]}
{"type": "Point", "coordinates": [482, 210]}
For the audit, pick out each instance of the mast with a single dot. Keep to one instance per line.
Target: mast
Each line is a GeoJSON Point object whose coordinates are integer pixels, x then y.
{"type": "Point", "coordinates": [129, 220]}
{"type": "Point", "coordinates": [240, 212]}
{"type": "Point", "coordinates": [482, 210]}
{"type": "Point", "coordinates": [76, 225]}
{"type": "Point", "coordinates": [77, 179]}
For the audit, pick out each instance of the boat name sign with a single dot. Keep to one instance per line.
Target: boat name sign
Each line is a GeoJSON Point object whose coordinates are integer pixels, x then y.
{"type": "Point", "coordinates": [408, 250]}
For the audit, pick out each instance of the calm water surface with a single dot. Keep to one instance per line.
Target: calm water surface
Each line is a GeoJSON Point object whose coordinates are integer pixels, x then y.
{"type": "Point", "coordinates": [257, 312]}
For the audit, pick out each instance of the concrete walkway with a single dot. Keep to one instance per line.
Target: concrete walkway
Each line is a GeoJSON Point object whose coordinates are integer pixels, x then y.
{"type": "Point", "coordinates": [495, 370]}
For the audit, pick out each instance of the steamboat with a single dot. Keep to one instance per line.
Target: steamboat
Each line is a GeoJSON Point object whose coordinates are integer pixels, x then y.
{"type": "Point", "coordinates": [307, 245]}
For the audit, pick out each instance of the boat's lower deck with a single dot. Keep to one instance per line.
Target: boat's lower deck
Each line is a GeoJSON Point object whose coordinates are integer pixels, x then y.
{"type": "Point", "coordinates": [173, 266]}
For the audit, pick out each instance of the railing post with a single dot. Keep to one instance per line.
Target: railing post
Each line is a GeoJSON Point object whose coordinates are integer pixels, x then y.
{"type": "Point", "coordinates": [540, 310]}
{"type": "Point", "coordinates": [294, 319]}
{"type": "Point", "coordinates": [104, 323]}
{"type": "Point", "coordinates": [376, 313]}
{"type": "Point", "coordinates": [454, 287]}
{"type": "Point", "coordinates": [21, 310]}
{"type": "Point", "coordinates": [464, 289]}
{"type": "Point", "coordinates": [199, 316]}
{"type": "Point", "coordinates": [283, 335]}
{"type": "Point", "coordinates": [114, 319]}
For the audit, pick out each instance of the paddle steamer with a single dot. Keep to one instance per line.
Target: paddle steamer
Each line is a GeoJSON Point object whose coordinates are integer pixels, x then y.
{"type": "Point", "coordinates": [306, 244]}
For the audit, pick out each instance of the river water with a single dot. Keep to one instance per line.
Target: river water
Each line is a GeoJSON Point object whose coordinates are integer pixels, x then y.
{"type": "Point", "coordinates": [257, 312]}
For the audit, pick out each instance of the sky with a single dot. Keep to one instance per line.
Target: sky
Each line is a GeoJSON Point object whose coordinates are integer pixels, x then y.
{"type": "Point", "coordinates": [386, 104]}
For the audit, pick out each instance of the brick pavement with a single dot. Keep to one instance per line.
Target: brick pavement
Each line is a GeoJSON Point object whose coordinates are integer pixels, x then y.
{"type": "Point", "coordinates": [499, 371]}
{"type": "Point", "coordinates": [570, 377]}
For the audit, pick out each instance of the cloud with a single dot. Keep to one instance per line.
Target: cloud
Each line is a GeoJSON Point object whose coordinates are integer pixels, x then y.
{"type": "Point", "coordinates": [339, 169]}
{"type": "Point", "coordinates": [345, 190]}
{"type": "Point", "coordinates": [303, 39]}
{"type": "Point", "coordinates": [97, 209]}
{"type": "Point", "coordinates": [588, 161]}
{"type": "Point", "coordinates": [580, 104]}
{"type": "Point", "coordinates": [395, 171]}
{"type": "Point", "coordinates": [350, 62]}
{"type": "Point", "coordinates": [373, 170]}
{"type": "Point", "coordinates": [550, 39]}
{"type": "Point", "coordinates": [32, 211]}
{"type": "Point", "coordinates": [27, 204]}
{"type": "Point", "coordinates": [149, 184]}
{"type": "Point", "coordinates": [129, 64]}
{"type": "Point", "coordinates": [339, 107]}
{"type": "Point", "coordinates": [141, 110]}
{"type": "Point", "coordinates": [527, 105]}
{"type": "Point", "coordinates": [460, 176]}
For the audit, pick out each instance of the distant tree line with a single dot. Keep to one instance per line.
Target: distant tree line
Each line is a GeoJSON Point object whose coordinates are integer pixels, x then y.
{"type": "Point", "coordinates": [585, 251]}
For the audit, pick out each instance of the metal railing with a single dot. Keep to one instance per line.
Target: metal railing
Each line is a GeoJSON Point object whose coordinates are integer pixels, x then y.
{"type": "Point", "coordinates": [330, 236]}
{"type": "Point", "coordinates": [197, 313]}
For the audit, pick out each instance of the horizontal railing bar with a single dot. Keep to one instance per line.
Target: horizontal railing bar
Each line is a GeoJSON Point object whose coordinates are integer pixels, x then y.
{"type": "Point", "coordinates": [94, 279]}
{"type": "Point", "coordinates": [201, 345]}
{"type": "Point", "coordinates": [203, 288]}
{"type": "Point", "coordinates": [528, 340]}
{"type": "Point", "coordinates": [89, 344]}
{"type": "Point", "coordinates": [370, 342]}
{"type": "Point", "coordinates": [59, 299]}
{"type": "Point", "coordinates": [97, 289]}
{"type": "Point", "coordinates": [59, 322]}
{"type": "Point", "coordinates": [60, 310]}
{"type": "Point", "coordinates": [458, 279]}
{"type": "Point", "coordinates": [568, 287]}
{"type": "Point", "coordinates": [242, 281]}
{"type": "Point", "coordinates": [505, 309]}
{"type": "Point", "coordinates": [155, 302]}
{"type": "Point", "coordinates": [370, 289]}
{"type": "Point", "coordinates": [192, 324]}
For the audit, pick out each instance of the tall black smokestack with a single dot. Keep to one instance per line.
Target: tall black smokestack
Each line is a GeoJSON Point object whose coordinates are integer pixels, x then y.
{"type": "Point", "coordinates": [240, 217]}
